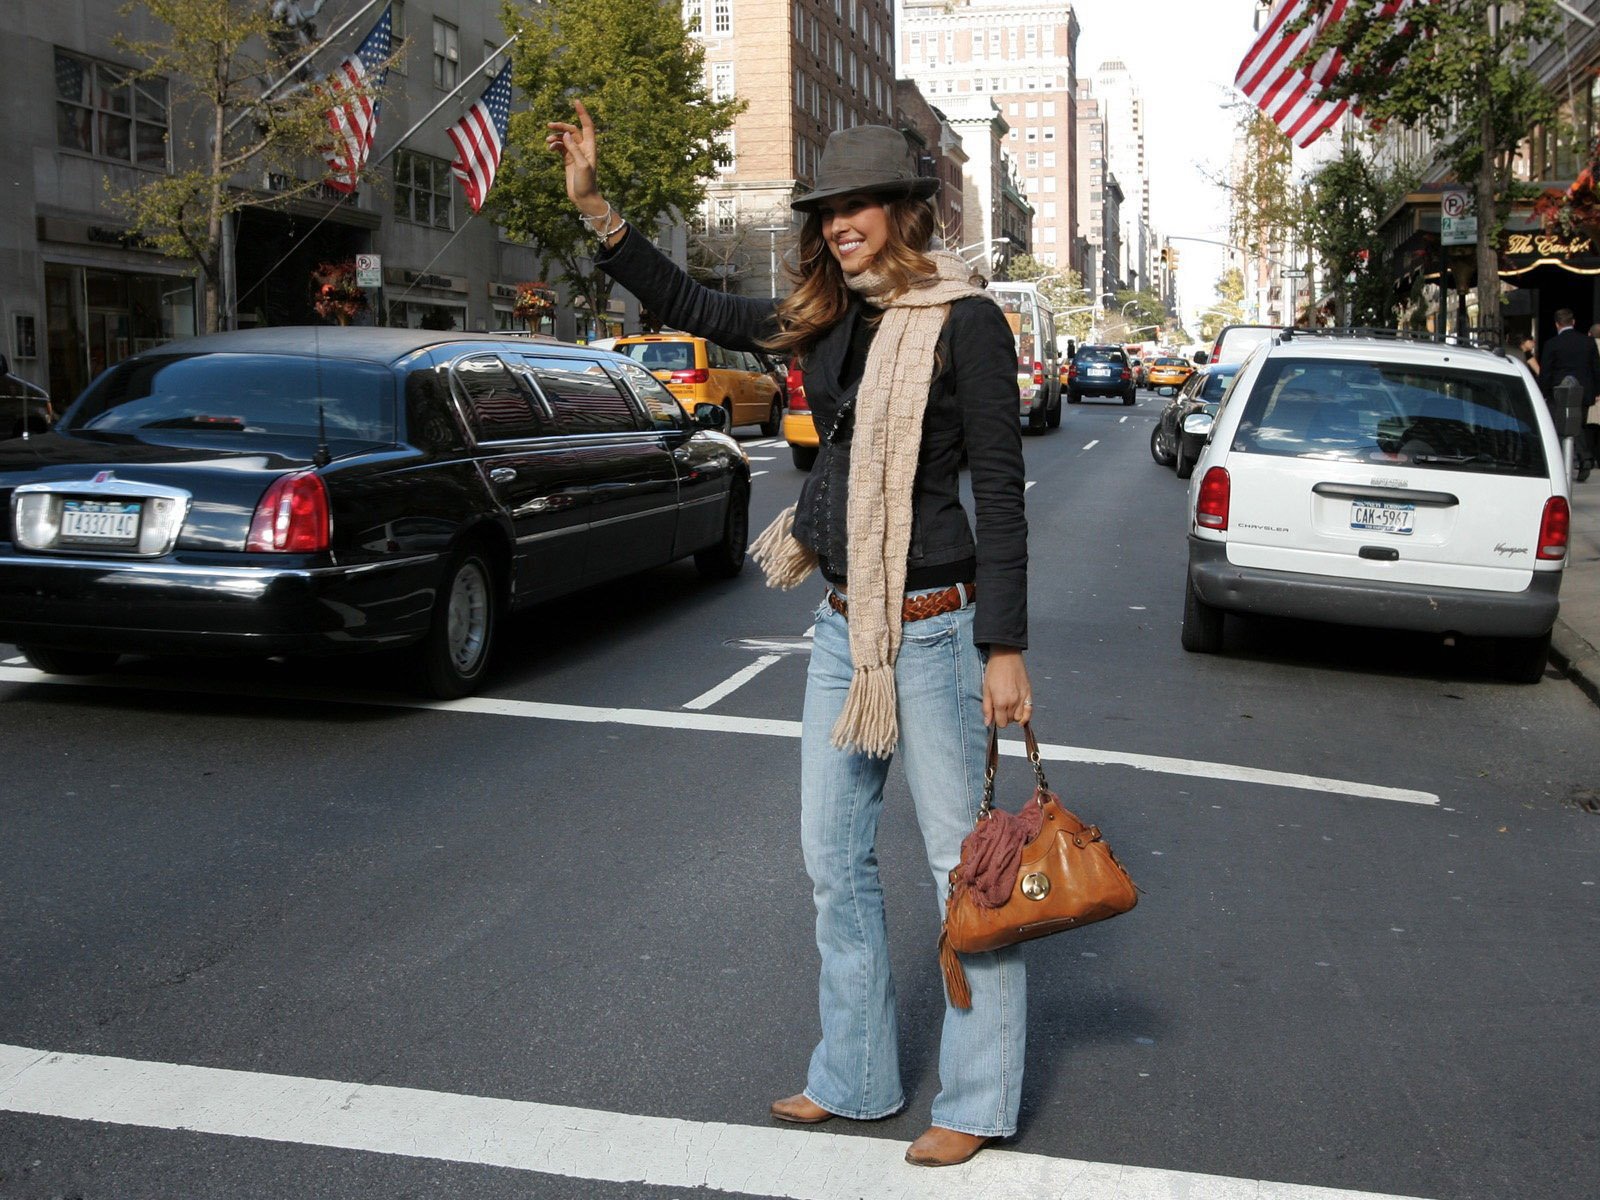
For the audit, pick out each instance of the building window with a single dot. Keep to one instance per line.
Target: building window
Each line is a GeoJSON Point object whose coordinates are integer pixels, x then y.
{"type": "Point", "coordinates": [397, 33]}
{"type": "Point", "coordinates": [722, 81]}
{"type": "Point", "coordinates": [694, 15]}
{"type": "Point", "coordinates": [99, 112]}
{"type": "Point", "coordinates": [1049, 158]}
{"type": "Point", "coordinates": [446, 54]}
{"type": "Point", "coordinates": [721, 16]}
{"type": "Point", "coordinates": [1033, 135]}
{"type": "Point", "coordinates": [422, 190]}
{"type": "Point", "coordinates": [1049, 108]}
{"type": "Point", "coordinates": [724, 155]}
{"type": "Point", "coordinates": [1049, 133]}
{"type": "Point", "coordinates": [1032, 109]}
{"type": "Point", "coordinates": [727, 213]}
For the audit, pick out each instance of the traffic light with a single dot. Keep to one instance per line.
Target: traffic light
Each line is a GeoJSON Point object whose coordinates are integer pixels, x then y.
{"type": "Point", "coordinates": [1172, 258]}
{"type": "Point", "coordinates": [1166, 256]}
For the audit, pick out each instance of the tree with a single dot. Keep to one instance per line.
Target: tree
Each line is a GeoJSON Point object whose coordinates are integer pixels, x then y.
{"type": "Point", "coordinates": [218, 58]}
{"type": "Point", "coordinates": [1348, 198]}
{"type": "Point", "coordinates": [1459, 70]}
{"type": "Point", "coordinates": [1262, 206]}
{"type": "Point", "coordinates": [1063, 288]}
{"type": "Point", "coordinates": [1142, 312]}
{"type": "Point", "coordinates": [1229, 308]}
{"type": "Point", "coordinates": [639, 73]}
{"type": "Point", "coordinates": [720, 256]}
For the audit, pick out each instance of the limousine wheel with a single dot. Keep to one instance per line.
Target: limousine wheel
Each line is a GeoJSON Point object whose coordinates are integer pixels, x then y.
{"type": "Point", "coordinates": [455, 653]}
{"type": "Point", "coordinates": [726, 558]}
{"type": "Point", "coordinates": [68, 662]}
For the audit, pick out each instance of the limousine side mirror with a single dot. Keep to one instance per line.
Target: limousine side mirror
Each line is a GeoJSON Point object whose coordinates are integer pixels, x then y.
{"type": "Point", "coordinates": [711, 416]}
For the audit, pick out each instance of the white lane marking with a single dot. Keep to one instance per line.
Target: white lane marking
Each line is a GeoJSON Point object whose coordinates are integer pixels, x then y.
{"type": "Point", "coordinates": [579, 1143]}
{"type": "Point", "coordinates": [1029, 484]}
{"type": "Point", "coordinates": [1092, 444]}
{"type": "Point", "coordinates": [760, 457]}
{"type": "Point", "coordinates": [753, 474]}
{"type": "Point", "coordinates": [1122, 420]}
{"type": "Point", "coordinates": [18, 661]}
{"type": "Point", "coordinates": [733, 683]}
{"type": "Point", "coordinates": [706, 722]}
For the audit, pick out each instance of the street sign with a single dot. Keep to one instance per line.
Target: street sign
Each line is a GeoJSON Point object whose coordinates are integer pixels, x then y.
{"type": "Point", "coordinates": [369, 270]}
{"type": "Point", "coordinates": [1294, 273]}
{"type": "Point", "coordinates": [1457, 225]}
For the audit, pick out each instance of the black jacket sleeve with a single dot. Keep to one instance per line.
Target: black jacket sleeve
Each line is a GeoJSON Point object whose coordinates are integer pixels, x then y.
{"type": "Point", "coordinates": [983, 357]}
{"type": "Point", "coordinates": [737, 322]}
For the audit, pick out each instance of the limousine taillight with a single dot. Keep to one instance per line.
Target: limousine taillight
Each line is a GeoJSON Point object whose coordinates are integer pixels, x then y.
{"type": "Point", "coordinates": [292, 517]}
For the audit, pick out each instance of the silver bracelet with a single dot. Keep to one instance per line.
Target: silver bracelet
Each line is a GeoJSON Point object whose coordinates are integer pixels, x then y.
{"type": "Point", "coordinates": [597, 225]}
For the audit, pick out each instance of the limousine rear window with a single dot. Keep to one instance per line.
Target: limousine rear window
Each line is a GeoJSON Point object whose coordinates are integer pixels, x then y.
{"type": "Point", "coordinates": [157, 398]}
{"type": "Point", "coordinates": [582, 395]}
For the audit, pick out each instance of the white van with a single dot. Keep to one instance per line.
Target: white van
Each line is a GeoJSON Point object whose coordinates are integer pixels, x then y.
{"type": "Point", "coordinates": [1381, 482]}
{"type": "Point", "coordinates": [1033, 323]}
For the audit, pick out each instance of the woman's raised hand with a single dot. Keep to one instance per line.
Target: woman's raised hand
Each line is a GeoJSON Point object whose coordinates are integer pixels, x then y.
{"type": "Point", "coordinates": [575, 145]}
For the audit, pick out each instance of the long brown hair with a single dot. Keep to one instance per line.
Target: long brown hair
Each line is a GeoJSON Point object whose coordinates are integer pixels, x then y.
{"type": "Point", "coordinates": [821, 296]}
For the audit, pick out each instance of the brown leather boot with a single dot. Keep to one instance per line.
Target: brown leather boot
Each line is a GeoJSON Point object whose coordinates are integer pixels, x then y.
{"type": "Point", "coordinates": [799, 1110]}
{"type": "Point", "coordinates": [941, 1147]}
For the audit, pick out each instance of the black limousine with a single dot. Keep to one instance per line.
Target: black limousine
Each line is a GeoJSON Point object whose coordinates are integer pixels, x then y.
{"type": "Point", "coordinates": [316, 490]}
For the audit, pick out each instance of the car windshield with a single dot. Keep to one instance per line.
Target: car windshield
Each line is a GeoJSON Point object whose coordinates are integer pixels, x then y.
{"type": "Point", "coordinates": [1427, 415]}
{"type": "Point", "coordinates": [661, 356]}
{"type": "Point", "coordinates": [240, 395]}
{"type": "Point", "coordinates": [1214, 383]}
{"type": "Point", "coordinates": [1099, 354]}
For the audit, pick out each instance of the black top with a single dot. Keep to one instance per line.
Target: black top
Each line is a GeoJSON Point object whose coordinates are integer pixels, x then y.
{"type": "Point", "coordinates": [973, 408]}
{"type": "Point", "coordinates": [1570, 353]}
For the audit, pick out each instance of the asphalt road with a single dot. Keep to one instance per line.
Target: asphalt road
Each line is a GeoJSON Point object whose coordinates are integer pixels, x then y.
{"type": "Point", "coordinates": [1364, 958]}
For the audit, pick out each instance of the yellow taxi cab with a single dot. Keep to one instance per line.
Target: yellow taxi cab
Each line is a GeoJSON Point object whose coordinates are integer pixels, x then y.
{"type": "Point", "coordinates": [1168, 372]}
{"type": "Point", "coordinates": [697, 371]}
{"type": "Point", "coordinates": [799, 426]}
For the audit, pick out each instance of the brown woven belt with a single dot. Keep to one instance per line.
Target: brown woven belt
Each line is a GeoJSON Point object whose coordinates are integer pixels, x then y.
{"type": "Point", "coordinates": [919, 608]}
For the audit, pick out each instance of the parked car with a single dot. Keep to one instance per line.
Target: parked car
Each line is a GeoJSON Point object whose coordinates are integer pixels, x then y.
{"type": "Point", "coordinates": [700, 372]}
{"type": "Point", "coordinates": [1169, 445]}
{"type": "Point", "coordinates": [799, 426]}
{"type": "Point", "coordinates": [1168, 372]}
{"type": "Point", "coordinates": [25, 407]}
{"type": "Point", "coordinates": [1235, 342]}
{"type": "Point", "coordinates": [1098, 370]}
{"type": "Point", "coordinates": [1387, 483]}
{"type": "Point", "coordinates": [321, 491]}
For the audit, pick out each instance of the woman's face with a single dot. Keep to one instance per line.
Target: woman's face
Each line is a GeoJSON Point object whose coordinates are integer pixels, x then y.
{"type": "Point", "coordinates": [855, 227]}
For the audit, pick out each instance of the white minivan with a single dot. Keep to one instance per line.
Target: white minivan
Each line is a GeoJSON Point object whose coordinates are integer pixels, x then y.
{"type": "Point", "coordinates": [1382, 482]}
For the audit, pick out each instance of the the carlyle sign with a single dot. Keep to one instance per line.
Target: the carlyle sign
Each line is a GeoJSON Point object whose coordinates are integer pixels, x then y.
{"type": "Point", "coordinates": [1547, 246]}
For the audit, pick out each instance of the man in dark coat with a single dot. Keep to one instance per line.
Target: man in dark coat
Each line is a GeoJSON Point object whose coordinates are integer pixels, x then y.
{"type": "Point", "coordinates": [1569, 353]}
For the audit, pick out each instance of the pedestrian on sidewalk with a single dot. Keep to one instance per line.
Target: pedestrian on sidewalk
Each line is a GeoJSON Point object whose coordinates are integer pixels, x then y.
{"type": "Point", "coordinates": [907, 364]}
{"type": "Point", "coordinates": [1571, 355]}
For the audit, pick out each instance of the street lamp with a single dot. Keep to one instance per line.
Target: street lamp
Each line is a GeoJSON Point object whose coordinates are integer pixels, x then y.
{"type": "Point", "coordinates": [772, 232]}
{"type": "Point", "coordinates": [989, 246]}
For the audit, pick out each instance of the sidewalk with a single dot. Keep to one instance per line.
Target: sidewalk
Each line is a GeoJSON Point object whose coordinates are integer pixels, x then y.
{"type": "Point", "coordinates": [1575, 644]}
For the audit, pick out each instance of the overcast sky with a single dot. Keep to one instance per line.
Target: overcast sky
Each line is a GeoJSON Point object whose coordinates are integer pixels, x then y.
{"type": "Point", "coordinates": [1182, 54]}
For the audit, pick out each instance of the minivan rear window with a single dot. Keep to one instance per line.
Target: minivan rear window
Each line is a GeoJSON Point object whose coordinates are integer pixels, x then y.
{"type": "Point", "coordinates": [1430, 416]}
{"type": "Point", "coordinates": [238, 396]}
{"type": "Point", "coordinates": [661, 356]}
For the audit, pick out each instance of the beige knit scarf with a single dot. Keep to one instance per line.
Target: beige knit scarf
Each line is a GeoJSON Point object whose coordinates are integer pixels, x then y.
{"type": "Point", "coordinates": [883, 468]}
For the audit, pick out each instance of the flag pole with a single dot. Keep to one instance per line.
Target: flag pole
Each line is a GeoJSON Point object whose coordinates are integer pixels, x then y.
{"type": "Point", "coordinates": [481, 68]}
{"type": "Point", "coordinates": [318, 49]}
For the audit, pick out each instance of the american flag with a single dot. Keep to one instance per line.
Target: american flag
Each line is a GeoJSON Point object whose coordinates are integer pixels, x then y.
{"type": "Point", "coordinates": [1292, 96]}
{"type": "Point", "coordinates": [479, 138]}
{"type": "Point", "coordinates": [354, 115]}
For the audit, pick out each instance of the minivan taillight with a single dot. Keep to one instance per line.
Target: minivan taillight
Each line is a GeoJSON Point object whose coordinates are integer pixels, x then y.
{"type": "Point", "coordinates": [1553, 528]}
{"type": "Point", "coordinates": [797, 390]}
{"type": "Point", "coordinates": [1038, 373]}
{"type": "Point", "coordinates": [292, 517]}
{"type": "Point", "coordinates": [698, 375]}
{"type": "Point", "coordinates": [1211, 509]}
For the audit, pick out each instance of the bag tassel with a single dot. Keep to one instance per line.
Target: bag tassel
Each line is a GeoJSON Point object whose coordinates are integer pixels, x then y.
{"type": "Point", "coordinates": [781, 556]}
{"type": "Point", "coordinates": [869, 722]}
{"type": "Point", "coordinates": [955, 977]}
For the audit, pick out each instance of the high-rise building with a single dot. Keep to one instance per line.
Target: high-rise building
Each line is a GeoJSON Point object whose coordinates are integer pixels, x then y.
{"type": "Point", "coordinates": [1099, 200]}
{"type": "Point", "coordinates": [1019, 55]}
{"type": "Point", "coordinates": [805, 68]}
{"type": "Point", "coordinates": [1122, 110]}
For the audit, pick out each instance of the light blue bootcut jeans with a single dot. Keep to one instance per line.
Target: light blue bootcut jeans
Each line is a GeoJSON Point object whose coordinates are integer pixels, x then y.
{"type": "Point", "coordinates": [855, 1069]}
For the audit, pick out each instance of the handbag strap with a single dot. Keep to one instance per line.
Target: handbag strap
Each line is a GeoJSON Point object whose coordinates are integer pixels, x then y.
{"type": "Point", "coordinates": [993, 765]}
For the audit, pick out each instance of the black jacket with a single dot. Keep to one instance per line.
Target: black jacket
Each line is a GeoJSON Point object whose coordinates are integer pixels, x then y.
{"type": "Point", "coordinates": [973, 404]}
{"type": "Point", "coordinates": [1570, 353]}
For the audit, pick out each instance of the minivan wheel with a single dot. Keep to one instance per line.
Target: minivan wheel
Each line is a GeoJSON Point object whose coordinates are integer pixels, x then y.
{"type": "Point", "coordinates": [454, 656]}
{"type": "Point", "coordinates": [726, 559]}
{"type": "Point", "coordinates": [52, 661]}
{"type": "Point", "coordinates": [774, 421]}
{"type": "Point", "coordinates": [1054, 419]}
{"type": "Point", "coordinates": [1202, 624]}
{"type": "Point", "coordinates": [1521, 660]}
{"type": "Point", "coordinates": [1160, 445]}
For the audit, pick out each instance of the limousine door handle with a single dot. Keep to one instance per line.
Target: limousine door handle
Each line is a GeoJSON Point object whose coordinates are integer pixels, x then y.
{"type": "Point", "coordinates": [503, 474]}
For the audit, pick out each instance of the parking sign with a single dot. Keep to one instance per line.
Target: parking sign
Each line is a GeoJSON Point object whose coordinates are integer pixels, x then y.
{"type": "Point", "coordinates": [369, 270]}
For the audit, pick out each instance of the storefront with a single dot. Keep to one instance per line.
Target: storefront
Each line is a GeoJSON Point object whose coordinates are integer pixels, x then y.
{"type": "Point", "coordinates": [424, 299]}
{"type": "Point", "coordinates": [1543, 272]}
{"type": "Point", "coordinates": [106, 296]}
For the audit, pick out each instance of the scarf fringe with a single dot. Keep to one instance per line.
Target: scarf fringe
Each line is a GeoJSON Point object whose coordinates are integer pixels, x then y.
{"type": "Point", "coordinates": [869, 722]}
{"type": "Point", "coordinates": [955, 976]}
{"type": "Point", "coordinates": [781, 556]}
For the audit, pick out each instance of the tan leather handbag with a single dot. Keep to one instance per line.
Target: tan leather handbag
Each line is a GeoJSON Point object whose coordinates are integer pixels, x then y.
{"type": "Point", "coordinates": [1064, 876]}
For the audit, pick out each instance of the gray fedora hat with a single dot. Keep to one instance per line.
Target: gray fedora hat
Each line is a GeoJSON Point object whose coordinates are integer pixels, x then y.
{"type": "Point", "coordinates": [869, 158]}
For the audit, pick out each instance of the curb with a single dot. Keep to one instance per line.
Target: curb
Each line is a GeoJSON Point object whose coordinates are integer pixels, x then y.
{"type": "Point", "coordinates": [1579, 660]}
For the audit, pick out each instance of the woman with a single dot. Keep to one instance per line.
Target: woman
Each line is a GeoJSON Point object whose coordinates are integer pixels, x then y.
{"type": "Point", "coordinates": [907, 364]}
